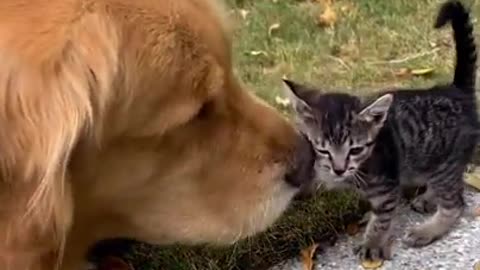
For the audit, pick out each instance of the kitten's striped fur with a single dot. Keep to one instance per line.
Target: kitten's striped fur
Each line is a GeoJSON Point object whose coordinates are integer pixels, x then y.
{"type": "Point", "coordinates": [402, 137]}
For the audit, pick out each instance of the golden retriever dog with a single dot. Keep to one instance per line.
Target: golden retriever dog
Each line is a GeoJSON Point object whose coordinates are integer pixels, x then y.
{"type": "Point", "coordinates": [123, 118]}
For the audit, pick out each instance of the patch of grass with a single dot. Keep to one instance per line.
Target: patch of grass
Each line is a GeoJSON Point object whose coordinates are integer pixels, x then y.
{"type": "Point", "coordinates": [352, 56]}
{"type": "Point", "coordinates": [306, 222]}
{"type": "Point", "coordinates": [355, 55]}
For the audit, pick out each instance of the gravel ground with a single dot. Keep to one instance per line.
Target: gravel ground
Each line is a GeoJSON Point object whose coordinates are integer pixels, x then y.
{"type": "Point", "coordinates": [459, 250]}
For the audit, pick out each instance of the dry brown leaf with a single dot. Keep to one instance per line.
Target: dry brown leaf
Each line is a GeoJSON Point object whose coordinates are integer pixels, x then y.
{"type": "Point", "coordinates": [349, 51]}
{"type": "Point", "coordinates": [328, 17]}
{"type": "Point", "coordinates": [473, 179]}
{"type": "Point", "coordinates": [285, 102]}
{"type": "Point", "coordinates": [345, 8]}
{"type": "Point", "coordinates": [402, 73]}
{"type": "Point", "coordinates": [368, 264]}
{"type": "Point", "coordinates": [272, 28]}
{"type": "Point", "coordinates": [476, 211]}
{"type": "Point", "coordinates": [406, 72]}
{"type": "Point", "coordinates": [352, 229]}
{"type": "Point", "coordinates": [422, 72]}
{"type": "Point", "coordinates": [307, 257]}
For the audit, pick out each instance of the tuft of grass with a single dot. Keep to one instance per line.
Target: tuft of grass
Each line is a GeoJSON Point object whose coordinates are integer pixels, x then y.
{"type": "Point", "coordinates": [371, 41]}
{"type": "Point", "coordinates": [306, 222]}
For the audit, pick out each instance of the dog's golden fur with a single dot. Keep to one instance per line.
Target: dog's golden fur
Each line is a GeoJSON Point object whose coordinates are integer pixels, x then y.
{"type": "Point", "coordinates": [122, 118]}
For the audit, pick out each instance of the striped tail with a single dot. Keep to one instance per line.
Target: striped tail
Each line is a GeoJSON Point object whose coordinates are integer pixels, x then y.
{"type": "Point", "coordinates": [458, 15]}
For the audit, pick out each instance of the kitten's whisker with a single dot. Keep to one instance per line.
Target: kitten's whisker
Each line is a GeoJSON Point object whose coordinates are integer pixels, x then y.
{"type": "Point", "coordinates": [356, 182]}
{"type": "Point", "coordinates": [359, 172]}
{"type": "Point", "coordinates": [360, 179]}
{"type": "Point", "coordinates": [363, 175]}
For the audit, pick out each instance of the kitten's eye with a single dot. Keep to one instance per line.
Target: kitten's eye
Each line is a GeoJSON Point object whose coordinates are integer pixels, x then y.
{"type": "Point", "coordinates": [356, 150]}
{"type": "Point", "coordinates": [323, 152]}
{"type": "Point", "coordinates": [368, 144]}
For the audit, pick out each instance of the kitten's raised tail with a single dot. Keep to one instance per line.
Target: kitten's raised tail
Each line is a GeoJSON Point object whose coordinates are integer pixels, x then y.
{"type": "Point", "coordinates": [458, 15]}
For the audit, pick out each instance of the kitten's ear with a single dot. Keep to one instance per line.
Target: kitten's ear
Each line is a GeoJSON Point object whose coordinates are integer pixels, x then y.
{"type": "Point", "coordinates": [377, 111]}
{"type": "Point", "coordinates": [299, 95]}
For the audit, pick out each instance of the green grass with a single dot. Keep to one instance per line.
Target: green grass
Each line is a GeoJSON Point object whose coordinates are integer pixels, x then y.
{"type": "Point", "coordinates": [357, 55]}
{"type": "Point", "coordinates": [307, 222]}
{"type": "Point", "coordinates": [345, 57]}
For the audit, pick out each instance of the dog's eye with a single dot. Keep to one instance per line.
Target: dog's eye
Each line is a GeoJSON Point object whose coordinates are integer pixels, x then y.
{"type": "Point", "coordinates": [204, 110]}
{"type": "Point", "coordinates": [356, 150]}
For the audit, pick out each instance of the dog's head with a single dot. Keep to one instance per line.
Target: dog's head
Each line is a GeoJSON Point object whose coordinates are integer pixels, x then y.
{"type": "Point", "coordinates": [139, 106]}
{"type": "Point", "coordinates": [205, 160]}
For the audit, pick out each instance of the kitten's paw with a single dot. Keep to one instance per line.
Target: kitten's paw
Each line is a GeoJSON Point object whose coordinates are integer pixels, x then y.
{"type": "Point", "coordinates": [419, 237]}
{"type": "Point", "coordinates": [373, 251]}
{"type": "Point", "coordinates": [423, 206]}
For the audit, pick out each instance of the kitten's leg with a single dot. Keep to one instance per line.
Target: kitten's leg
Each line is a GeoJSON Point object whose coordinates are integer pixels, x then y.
{"type": "Point", "coordinates": [377, 239]}
{"type": "Point", "coordinates": [425, 202]}
{"type": "Point", "coordinates": [448, 194]}
{"type": "Point", "coordinates": [365, 219]}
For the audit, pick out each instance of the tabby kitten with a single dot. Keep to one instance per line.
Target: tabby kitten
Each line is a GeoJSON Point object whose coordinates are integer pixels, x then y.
{"type": "Point", "coordinates": [423, 137]}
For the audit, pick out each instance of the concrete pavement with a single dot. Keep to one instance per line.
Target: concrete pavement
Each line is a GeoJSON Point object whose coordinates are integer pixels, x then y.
{"type": "Point", "coordinates": [459, 250]}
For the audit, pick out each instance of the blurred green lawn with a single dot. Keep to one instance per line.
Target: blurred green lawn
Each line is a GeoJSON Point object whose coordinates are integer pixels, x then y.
{"type": "Point", "coordinates": [367, 49]}
{"type": "Point", "coordinates": [364, 51]}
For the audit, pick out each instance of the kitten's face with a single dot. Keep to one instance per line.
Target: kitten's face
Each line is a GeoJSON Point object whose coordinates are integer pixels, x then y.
{"type": "Point", "coordinates": [342, 130]}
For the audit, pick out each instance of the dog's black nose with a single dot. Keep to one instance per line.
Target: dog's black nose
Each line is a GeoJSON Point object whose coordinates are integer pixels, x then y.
{"type": "Point", "coordinates": [301, 171]}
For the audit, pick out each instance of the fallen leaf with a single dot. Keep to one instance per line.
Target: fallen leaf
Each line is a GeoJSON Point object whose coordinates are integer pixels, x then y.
{"type": "Point", "coordinates": [473, 179]}
{"type": "Point", "coordinates": [345, 8]}
{"type": "Point", "coordinates": [282, 101]}
{"type": "Point", "coordinates": [272, 28]}
{"type": "Point", "coordinates": [352, 229]}
{"type": "Point", "coordinates": [307, 257]}
{"type": "Point", "coordinates": [402, 73]}
{"type": "Point", "coordinates": [476, 211]}
{"type": "Point", "coordinates": [328, 17]}
{"type": "Point", "coordinates": [368, 264]}
{"type": "Point", "coordinates": [256, 53]}
{"type": "Point", "coordinates": [279, 69]}
{"type": "Point", "coordinates": [244, 13]}
{"type": "Point", "coordinates": [422, 72]}
{"type": "Point", "coordinates": [348, 51]}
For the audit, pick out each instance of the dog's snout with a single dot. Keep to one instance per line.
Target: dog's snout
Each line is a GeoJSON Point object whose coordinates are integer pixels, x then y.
{"type": "Point", "coordinates": [301, 171]}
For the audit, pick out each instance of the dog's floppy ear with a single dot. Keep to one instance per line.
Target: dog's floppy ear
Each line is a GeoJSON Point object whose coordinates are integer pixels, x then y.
{"type": "Point", "coordinates": [45, 106]}
{"type": "Point", "coordinates": [41, 118]}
